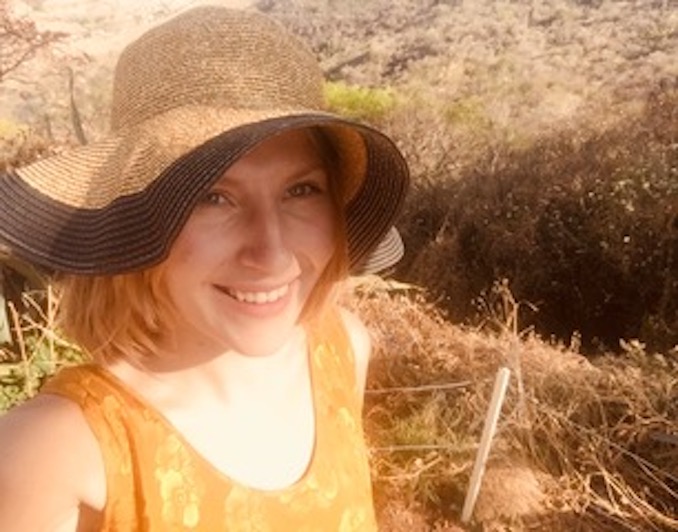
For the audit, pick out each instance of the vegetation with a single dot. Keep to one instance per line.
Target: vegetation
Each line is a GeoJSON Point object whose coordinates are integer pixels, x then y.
{"type": "Point", "coordinates": [582, 444]}
{"type": "Point", "coordinates": [370, 105]}
{"type": "Point", "coordinates": [583, 224]}
{"type": "Point", "coordinates": [37, 350]}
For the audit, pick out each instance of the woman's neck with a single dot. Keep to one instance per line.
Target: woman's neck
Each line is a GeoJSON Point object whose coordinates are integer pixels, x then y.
{"type": "Point", "coordinates": [224, 377]}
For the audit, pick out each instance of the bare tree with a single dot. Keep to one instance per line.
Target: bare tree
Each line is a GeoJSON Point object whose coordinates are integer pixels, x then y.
{"type": "Point", "coordinates": [20, 40]}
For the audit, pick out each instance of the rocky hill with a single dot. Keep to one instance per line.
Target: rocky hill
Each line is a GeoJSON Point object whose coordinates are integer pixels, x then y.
{"type": "Point", "coordinates": [536, 60]}
{"type": "Point", "coordinates": [533, 61]}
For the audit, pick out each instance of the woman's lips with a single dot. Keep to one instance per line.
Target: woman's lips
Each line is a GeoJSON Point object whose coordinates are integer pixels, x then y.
{"type": "Point", "coordinates": [256, 297]}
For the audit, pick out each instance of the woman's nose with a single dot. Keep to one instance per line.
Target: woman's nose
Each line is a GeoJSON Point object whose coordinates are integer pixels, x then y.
{"type": "Point", "coordinates": [264, 244]}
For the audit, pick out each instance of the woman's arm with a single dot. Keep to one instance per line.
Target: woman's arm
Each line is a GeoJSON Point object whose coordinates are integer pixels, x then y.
{"type": "Point", "coordinates": [51, 472]}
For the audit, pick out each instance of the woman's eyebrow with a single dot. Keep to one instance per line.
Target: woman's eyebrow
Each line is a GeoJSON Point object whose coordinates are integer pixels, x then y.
{"type": "Point", "coordinates": [318, 167]}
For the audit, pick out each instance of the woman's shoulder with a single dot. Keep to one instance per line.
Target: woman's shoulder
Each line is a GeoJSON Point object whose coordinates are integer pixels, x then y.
{"type": "Point", "coordinates": [49, 465]}
{"type": "Point", "coordinates": [358, 333]}
{"type": "Point", "coordinates": [361, 344]}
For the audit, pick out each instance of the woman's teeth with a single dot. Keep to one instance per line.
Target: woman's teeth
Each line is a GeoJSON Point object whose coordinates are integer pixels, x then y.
{"type": "Point", "coordinates": [259, 298]}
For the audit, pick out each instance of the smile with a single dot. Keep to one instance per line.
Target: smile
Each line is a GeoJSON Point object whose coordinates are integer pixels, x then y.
{"type": "Point", "coordinates": [258, 298]}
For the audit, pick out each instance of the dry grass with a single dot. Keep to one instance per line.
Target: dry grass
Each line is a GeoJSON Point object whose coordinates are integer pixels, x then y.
{"type": "Point", "coordinates": [582, 445]}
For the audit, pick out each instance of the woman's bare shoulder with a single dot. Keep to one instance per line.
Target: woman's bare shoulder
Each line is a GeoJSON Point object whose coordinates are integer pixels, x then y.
{"type": "Point", "coordinates": [361, 342]}
{"type": "Point", "coordinates": [50, 466]}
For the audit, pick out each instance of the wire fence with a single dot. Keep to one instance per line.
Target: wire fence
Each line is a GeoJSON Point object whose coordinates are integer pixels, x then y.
{"type": "Point", "coordinates": [424, 388]}
{"type": "Point", "coordinates": [590, 432]}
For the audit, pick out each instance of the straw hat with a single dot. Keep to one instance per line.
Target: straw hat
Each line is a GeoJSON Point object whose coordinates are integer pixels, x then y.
{"type": "Point", "coordinates": [189, 97]}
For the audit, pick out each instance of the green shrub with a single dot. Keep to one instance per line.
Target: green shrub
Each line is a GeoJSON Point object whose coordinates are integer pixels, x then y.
{"type": "Point", "coordinates": [36, 350]}
{"type": "Point", "coordinates": [21, 377]}
{"type": "Point", "coordinates": [469, 113]}
{"type": "Point", "coordinates": [360, 103]}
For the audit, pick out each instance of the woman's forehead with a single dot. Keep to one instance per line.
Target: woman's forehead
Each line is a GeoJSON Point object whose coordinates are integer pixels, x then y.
{"type": "Point", "coordinates": [288, 155]}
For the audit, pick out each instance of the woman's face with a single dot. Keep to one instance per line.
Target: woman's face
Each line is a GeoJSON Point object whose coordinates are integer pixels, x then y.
{"type": "Point", "coordinates": [244, 264]}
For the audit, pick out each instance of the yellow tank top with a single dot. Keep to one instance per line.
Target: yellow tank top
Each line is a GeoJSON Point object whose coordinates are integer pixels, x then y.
{"type": "Point", "coordinates": [157, 482]}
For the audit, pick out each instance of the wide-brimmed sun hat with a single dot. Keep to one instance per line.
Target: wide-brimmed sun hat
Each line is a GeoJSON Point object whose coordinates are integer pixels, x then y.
{"type": "Point", "coordinates": [191, 96]}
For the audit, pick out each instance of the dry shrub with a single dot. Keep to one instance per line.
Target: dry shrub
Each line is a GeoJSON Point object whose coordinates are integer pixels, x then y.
{"type": "Point", "coordinates": [589, 441]}
{"type": "Point", "coordinates": [583, 223]}
{"type": "Point", "coordinates": [20, 146]}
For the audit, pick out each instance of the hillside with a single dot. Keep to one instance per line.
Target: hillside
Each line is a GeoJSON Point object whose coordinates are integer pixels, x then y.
{"type": "Point", "coordinates": [532, 64]}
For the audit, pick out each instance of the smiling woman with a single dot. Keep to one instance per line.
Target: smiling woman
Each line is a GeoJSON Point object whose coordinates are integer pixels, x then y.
{"type": "Point", "coordinates": [196, 250]}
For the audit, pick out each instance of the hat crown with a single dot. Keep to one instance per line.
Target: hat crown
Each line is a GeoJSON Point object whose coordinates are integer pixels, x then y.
{"type": "Point", "coordinates": [213, 56]}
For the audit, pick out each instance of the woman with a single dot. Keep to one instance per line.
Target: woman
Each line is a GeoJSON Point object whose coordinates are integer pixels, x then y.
{"type": "Point", "coordinates": [197, 248]}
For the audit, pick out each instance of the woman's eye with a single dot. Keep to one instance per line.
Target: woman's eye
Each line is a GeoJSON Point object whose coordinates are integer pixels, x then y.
{"type": "Point", "coordinates": [215, 198]}
{"type": "Point", "coordinates": [304, 189]}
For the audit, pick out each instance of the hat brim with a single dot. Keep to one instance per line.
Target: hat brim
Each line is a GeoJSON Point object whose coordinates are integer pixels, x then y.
{"type": "Point", "coordinates": [102, 236]}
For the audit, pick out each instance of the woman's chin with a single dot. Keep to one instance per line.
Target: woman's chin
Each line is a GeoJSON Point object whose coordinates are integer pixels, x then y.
{"type": "Point", "coordinates": [263, 345]}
